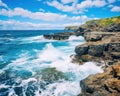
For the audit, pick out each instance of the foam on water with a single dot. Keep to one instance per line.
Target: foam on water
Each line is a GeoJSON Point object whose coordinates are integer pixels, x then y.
{"type": "Point", "coordinates": [52, 55]}
{"type": "Point", "coordinates": [34, 39]}
{"type": "Point", "coordinates": [75, 38]}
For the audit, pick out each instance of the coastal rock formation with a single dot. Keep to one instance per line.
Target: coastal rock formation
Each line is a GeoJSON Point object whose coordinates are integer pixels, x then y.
{"type": "Point", "coordinates": [106, 49]}
{"type": "Point", "coordinates": [71, 27]}
{"type": "Point", "coordinates": [59, 36]}
{"type": "Point", "coordinates": [102, 84]}
{"type": "Point", "coordinates": [100, 46]}
{"type": "Point", "coordinates": [103, 25]}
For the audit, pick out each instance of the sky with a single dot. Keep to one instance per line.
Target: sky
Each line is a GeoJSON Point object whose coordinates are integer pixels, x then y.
{"type": "Point", "coordinates": [53, 14]}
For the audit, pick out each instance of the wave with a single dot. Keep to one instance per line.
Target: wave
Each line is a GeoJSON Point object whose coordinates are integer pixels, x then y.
{"type": "Point", "coordinates": [25, 70]}
{"type": "Point", "coordinates": [79, 38]}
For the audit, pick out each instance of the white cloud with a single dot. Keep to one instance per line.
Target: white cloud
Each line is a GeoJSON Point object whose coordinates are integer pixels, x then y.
{"type": "Point", "coordinates": [33, 15]}
{"type": "Point", "coordinates": [60, 6]}
{"type": "Point", "coordinates": [13, 25]}
{"type": "Point", "coordinates": [90, 3]}
{"type": "Point", "coordinates": [21, 25]}
{"type": "Point", "coordinates": [111, 1]}
{"type": "Point", "coordinates": [42, 16]}
{"type": "Point", "coordinates": [76, 7]}
{"type": "Point", "coordinates": [115, 9]}
{"type": "Point", "coordinates": [99, 3]}
{"type": "Point", "coordinates": [68, 1]}
{"type": "Point", "coordinates": [3, 4]}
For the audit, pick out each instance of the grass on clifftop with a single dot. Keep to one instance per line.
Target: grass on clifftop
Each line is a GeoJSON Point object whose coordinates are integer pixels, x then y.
{"type": "Point", "coordinates": [106, 21]}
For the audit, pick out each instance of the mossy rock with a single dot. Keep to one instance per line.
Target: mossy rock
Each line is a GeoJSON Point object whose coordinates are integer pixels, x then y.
{"type": "Point", "coordinates": [51, 75]}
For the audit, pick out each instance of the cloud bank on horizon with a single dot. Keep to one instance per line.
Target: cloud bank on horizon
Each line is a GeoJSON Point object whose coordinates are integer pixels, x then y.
{"type": "Point", "coordinates": [53, 14]}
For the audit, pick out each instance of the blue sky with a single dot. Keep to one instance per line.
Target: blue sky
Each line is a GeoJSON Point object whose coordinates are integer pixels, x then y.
{"type": "Point", "coordinates": [53, 14]}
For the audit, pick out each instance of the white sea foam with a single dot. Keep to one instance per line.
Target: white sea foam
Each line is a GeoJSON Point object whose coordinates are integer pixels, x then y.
{"type": "Point", "coordinates": [62, 89]}
{"type": "Point", "coordinates": [4, 86]}
{"type": "Point", "coordinates": [34, 39]}
{"type": "Point", "coordinates": [25, 82]}
{"type": "Point", "coordinates": [57, 57]}
{"type": "Point", "coordinates": [50, 53]}
{"type": "Point", "coordinates": [73, 38]}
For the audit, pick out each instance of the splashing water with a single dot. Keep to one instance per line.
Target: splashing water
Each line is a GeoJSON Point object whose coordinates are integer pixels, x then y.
{"type": "Point", "coordinates": [24, 59]}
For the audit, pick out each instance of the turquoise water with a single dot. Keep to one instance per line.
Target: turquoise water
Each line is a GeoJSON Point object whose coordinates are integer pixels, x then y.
{"type": "Point", "coordinates": [25, 54]}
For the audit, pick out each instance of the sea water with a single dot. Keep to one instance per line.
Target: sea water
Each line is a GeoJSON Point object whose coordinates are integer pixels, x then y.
{"type": "Point", "coordinates": [23, 56]}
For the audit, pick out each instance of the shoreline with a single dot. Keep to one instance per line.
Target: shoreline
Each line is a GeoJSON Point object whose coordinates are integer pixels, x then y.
{"type": "Point", "coordinates": [99, 47]}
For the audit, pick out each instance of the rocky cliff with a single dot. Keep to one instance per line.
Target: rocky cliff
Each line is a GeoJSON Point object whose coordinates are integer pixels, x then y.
{"type": "Point", "coordinates": [104, 46]}
{"type": "Point", "coordinates": [101, 47]}
{"type": "Point", "coordinates": [104, 25]}
{"type": "Point", "coordinates": [101, 25]}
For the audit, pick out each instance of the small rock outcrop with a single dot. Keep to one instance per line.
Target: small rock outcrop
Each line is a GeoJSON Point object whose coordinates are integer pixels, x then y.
{"type": "Point", "coordinates": [59, 36]}
{"type": "Point", "coordinates": [71, 28]}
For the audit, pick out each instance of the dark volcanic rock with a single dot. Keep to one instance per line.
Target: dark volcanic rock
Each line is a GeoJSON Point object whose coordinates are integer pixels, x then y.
{"type": "Point", "coordinates": [81, 50]}
{"type": "Point", "coordinates": [97, 50]}
{"type": "Point", "coordinates": [59, 36]}
{"type": "Point", "coordinates": [56, 37]}
{"type": "Point", "coordinates": [106, 49]}
{"type": "Point", "coordinates": [113, 28]}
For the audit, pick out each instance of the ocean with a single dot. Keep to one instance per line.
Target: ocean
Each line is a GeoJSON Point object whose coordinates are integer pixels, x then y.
{"type": "Point", "coordinates": [33, 66]}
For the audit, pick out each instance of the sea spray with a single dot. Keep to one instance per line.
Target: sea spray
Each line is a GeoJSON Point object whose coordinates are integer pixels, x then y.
{"type": "Point", "coordinates": [23, 74]}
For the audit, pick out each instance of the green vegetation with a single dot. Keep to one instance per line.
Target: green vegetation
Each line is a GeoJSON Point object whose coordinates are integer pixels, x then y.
{"type": "Point", "coordinates": [106, 21]}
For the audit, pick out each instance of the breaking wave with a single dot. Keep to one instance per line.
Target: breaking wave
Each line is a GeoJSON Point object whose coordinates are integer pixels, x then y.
{"type": "Point", "coordinates": [24, 75]}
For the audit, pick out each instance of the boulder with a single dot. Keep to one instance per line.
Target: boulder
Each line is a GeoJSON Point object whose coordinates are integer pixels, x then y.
{"type": "Point", "coordinates": [96, 50]}
{"type": "Point", "coordinates": [81, 50]}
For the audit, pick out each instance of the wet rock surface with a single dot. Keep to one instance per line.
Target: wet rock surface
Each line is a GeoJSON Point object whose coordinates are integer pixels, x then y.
{"type": "Point", "coordinates": [105, 49]}
{"type": "Point", "coordinates": [59, 36]}
{"type": "Point", "coordinates": [102, 84]}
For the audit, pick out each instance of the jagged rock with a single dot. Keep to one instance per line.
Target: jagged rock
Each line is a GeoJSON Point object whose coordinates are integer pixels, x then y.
{"type": "Point", "coordinates": [102, 84]}
{"type": "Point", "coordinates": [97, 50]}
{"type": "Point", "coordinates": [81, 50]}
{"type": "Point", "coordinates": [59, 36]}
{"type": "Point", "coordinates": [113, 27]}
{"type": "Point", "coordinates": [115, 55]}
{"type": "Point", "coordinates": [106, 50]}
{"type": "Point", "coordinates": [56, 37]}
{"type": "Point", "coordinates": [104, 25]}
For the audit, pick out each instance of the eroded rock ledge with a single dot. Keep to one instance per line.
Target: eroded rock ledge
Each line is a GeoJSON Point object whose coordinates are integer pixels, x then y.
{"type": "Point", "coordinates": [59, 36]}
{"type": "Point", "coordinates": [102, 84]}
{"type": "Point", "coordinates": [100, 46]}
{"type": "Point", "coordinates": [106, 48]}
